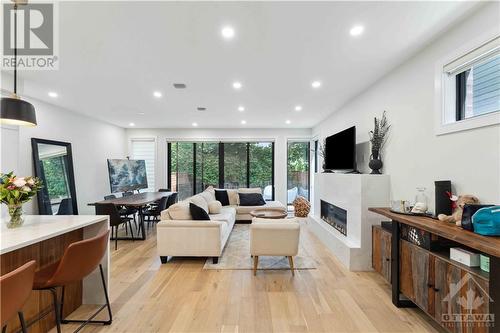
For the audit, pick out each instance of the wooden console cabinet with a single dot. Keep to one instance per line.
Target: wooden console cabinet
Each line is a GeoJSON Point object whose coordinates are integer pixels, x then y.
{"type": "Point", "coordinates": [460, 298]}
{"type": "Point", "coordinates": [381, 252]}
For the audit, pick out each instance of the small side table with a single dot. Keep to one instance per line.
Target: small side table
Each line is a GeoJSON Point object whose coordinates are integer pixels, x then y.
{"type": "Point", "coordinates": [269, 213]}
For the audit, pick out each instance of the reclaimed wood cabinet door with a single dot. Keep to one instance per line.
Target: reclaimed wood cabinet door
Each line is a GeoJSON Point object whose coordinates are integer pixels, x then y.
{"type": "Point", "coordinates": [458, 293]}
{"type": "Point", "coordinates": [381, 252]}
{"type": "Point", "coordinates": [414, 274]}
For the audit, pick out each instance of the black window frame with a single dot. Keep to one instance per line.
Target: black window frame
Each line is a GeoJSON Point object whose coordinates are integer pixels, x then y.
{"type": "Point", "coordinates": [221, 164]}
{"type": "Point", "coordinates": [461, 94]}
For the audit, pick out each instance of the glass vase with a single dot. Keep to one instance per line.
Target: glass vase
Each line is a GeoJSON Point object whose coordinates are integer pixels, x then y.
{"type": "Point", "coordinates": [16, 216]}
{"type": "Point", "coordinates": [421, 201]}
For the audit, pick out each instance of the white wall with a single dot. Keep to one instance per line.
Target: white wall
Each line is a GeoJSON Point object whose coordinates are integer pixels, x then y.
{"type": "Point", "coordinates": [279, 136]}
{"type": "Point", "coordinates": [92, 143]}
{"type": "Point", "coordinates": [414, 155]}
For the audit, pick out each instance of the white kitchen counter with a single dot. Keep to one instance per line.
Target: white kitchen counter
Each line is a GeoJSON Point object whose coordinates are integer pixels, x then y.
{"type": "Point", "coordinates": [37, 228]}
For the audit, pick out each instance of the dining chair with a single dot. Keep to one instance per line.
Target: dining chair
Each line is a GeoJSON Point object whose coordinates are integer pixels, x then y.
{"type": "Point", "coordinates": [153, 213]}
{"type": "Point", "coordinates": [115, 220]}
{"type": "Point", "coordinates": [15, 289]}
{"type": "Point", "coordinates": [171, 200]}
{"type": "Point", "coordinates": [65, 207]}
{"type": "Point", "coordinates": [125, 212]}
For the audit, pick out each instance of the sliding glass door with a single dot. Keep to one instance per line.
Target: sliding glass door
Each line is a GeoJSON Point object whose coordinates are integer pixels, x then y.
{"type": "Point", "coordinates": [261, 165]}
{"type": "Point", "coordinates": [193, 166]}
{"type": "Point", "coordinates": [206, 165]}
{"type": "Point", "coordinates": [181, 168]}
{"type": "Point", "coordinates": [235, 164]}
{"type": "Point", "coordinates": [298, 166]}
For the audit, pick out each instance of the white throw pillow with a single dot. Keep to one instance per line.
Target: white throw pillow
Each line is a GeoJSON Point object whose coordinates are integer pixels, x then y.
{"type": "Point", "coordinates": [234, 198]}
{"type": "Point", "coordinates": [199, 201]}
{"type": "Point", "coordinates": [179, 211]}
{"type": "Point", "coordinates": [214, 207]}
{"type": "Point", "coordinates": [208, 196]}
{"type": "Point", "coordinates": [250, 190]}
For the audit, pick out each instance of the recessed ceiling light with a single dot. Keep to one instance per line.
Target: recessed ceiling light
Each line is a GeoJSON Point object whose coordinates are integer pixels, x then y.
{"type": "Point", "coordinates": [227, 32]}
{"type": "Point", "coordinates": [298, 108]}
{"type": "Point", "coordinates": [316, 84]}
{"type": "Point", "coordinates": [288, 122]}
{"type": "Point", "coordinates": [141, 113]}
{"type": "Point", "coordinates": [357, 30]}
{"type": "Point", "coordinates": [241, 108]}
{"type": "Point", "coordinates": [157, 94]}
{"type": "Point", "coordinates": [131, 124]}
{"type": "Point", "coordinates": [243, 122]}
{"type": "Point", "coordinates": [237, 85]}
{"type": "Point", "coordinates": [52, 94]}
{"type": "Point", "coordinates": [195, 124]}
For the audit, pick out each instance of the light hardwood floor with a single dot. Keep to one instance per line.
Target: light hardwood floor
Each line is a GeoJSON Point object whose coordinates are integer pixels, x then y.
{"type": "Point", "coordinates": [180, 296]}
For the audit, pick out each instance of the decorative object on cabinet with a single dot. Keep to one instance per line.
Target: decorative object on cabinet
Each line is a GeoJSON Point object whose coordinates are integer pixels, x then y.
{"type": "Point", "coordinates": [456, 217]}
{"type": "Point", "coordinates": [465, 257]}
{"type": "Point", "coordinates": [484, 262]}
{"type": "Point", "coordinates": [420, 206]}
{"type": "Point", "coordinates": [378, 137]}
{"type": "Point", "coordinates": [486, 221]}
{"type": "Point", "coordinates": [468, 212]}
{"type": "Point", "coordinates": [16, 191]}
{"type": "Point", "coordinates": [442, 191]}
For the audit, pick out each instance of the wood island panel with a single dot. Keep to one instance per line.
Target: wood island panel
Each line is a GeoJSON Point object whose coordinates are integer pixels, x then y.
{"type": "Point", "coordinates": [44, 253]}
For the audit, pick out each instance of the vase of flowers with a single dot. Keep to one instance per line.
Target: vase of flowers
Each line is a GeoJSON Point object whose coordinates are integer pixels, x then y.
{"type": "Point", "coordinates": [377, 139]}
{"type": "Point", "coordinates": [14, 192]}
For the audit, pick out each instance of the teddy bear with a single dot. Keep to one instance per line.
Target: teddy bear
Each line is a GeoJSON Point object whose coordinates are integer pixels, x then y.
{"type": "Point", "coordinates": [456, 217]}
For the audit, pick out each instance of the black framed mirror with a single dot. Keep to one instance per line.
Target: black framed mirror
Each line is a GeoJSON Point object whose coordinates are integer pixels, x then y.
{"type": "Point", "coordinates": [53, 162]}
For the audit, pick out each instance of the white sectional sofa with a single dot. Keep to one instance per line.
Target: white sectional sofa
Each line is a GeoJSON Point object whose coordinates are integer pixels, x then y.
{"type": "Point", "coordinates": [178, 235]}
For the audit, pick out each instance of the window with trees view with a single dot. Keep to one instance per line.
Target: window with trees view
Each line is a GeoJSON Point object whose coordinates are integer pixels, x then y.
{"type": "Point", "coordinates": [298, 170]}
{"type": "Point", "coordinates": [193, 166]}
{"type": "Point", "coordinates": [56, 181]}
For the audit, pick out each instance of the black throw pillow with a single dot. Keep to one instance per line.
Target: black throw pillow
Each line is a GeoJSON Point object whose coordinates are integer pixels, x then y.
{"type": "Point", "coordinates": [198, 213]}
{"type": "Point", "coordinates": [251, 199]}
{"type": "Point", "coordinates": [221, 195]}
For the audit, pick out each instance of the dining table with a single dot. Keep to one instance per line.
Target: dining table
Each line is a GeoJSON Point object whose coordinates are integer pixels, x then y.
{"type": "Point", "coordinates": [138, 201]}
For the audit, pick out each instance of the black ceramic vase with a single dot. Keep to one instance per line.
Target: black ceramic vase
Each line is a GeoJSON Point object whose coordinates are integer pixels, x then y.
{"type": "Point", "coordinates": [375, 162]}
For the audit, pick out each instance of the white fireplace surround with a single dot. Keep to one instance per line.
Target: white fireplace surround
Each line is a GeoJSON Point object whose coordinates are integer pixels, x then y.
{"type": "Point", "coordinates": [355, 193]}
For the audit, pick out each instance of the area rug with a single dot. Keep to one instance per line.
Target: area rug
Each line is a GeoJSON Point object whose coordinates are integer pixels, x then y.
{"type": "Point", "coordinates": [236, 255]}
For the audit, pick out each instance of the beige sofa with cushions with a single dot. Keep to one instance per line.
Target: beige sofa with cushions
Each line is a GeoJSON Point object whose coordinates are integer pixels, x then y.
{"type": "Point", "coordinates": [180, 236]}
{"type": "Point", "coordinates": [243, 212]}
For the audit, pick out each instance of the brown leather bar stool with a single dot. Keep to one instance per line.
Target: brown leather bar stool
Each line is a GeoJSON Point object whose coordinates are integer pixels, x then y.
{"type": "Point", "coordinates": [15, 289]}
{"type": "Point", "coordinates": [79, 260]}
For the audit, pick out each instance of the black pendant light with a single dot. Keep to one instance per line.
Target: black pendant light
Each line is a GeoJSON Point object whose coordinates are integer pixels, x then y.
{"type": "Point", "coordinates": [15, 111]}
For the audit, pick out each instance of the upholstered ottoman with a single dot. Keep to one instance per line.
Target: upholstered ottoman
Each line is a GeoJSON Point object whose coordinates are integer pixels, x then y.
{"type": "Point", "coordinates": [272, 237]}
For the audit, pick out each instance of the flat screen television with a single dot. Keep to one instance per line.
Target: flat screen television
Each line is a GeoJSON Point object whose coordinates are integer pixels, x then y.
{"type": "Point", "coordinates": [340, 151]}
{"type": "Point", "coordinates": [127, 175]}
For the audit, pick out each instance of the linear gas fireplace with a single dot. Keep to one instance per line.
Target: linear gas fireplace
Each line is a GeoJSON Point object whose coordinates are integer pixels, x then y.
{"type": "Point", "coordinates": [334, 216]}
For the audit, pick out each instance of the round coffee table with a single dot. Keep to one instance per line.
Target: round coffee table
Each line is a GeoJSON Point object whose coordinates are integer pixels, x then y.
{"type": "Point", "coordinates": [269, 213]}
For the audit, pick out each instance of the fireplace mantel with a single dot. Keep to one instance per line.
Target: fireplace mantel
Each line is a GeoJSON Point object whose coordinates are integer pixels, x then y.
{"type": "Point", "coordinates": [354, 193]}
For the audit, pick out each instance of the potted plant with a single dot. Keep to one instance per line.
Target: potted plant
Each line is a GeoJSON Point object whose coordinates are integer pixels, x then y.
{"type": "Point", "coordinates": [377, 139]}
{"type": "Point", "coordinates": [322, 153]}
{"type": "Point", "coordinates": [14, 192]}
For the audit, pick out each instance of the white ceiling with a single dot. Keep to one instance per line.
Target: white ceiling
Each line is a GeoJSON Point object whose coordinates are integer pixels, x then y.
{"type": "Point", "coordinates": [113, 55]}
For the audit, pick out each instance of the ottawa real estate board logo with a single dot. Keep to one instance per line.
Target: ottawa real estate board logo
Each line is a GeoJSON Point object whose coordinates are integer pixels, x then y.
{"type": "Point", "coordinates": [467, 305]}
{"type": "Point", "coordinates": [32, 29]}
